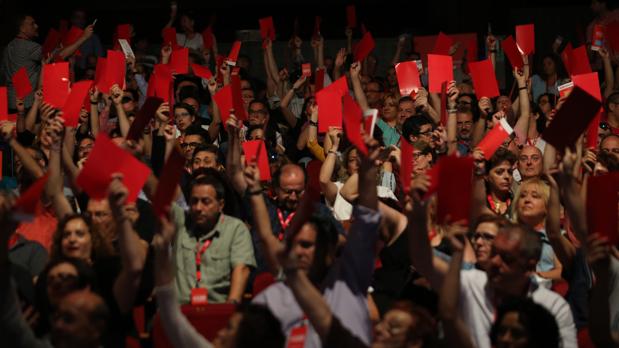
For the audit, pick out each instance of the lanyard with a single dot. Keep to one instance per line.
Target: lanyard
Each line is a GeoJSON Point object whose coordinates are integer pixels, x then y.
{"type": "Point", "coordinates": [495, 207]}
{"type": "Point", "coordinates": [199, 253]}
{"type": "Point", "coordinates": [283, 223]}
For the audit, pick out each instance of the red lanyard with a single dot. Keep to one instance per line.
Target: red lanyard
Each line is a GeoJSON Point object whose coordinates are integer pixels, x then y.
{"type": "Point", "coordinates": [283, 223]}
{"type": "Point", "coordinates": [493, 206]}
{"type": "Point", "coordinates": [199, 260]}
{"type": "Point", "coordinates": [13, 240]}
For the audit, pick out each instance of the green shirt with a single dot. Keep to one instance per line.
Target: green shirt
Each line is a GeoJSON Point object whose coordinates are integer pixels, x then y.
{"type": "Point", "coordinates": [391, 136]}
{"type": "Point", "coordinates": [230, 246]}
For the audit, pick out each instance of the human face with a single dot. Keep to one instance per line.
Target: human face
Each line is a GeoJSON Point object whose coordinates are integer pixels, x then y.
{"type": "Point", "coordinates": [187, 24]}
{"type": "Point", "coordinates": [503, 103]}
{"type": "Point", "coordinates": [128, 103]}
{"type": "Point", "coordinates": [422, 161]}
{"type": "Point", "coordinates": [256, 134]}
{"type": "Point", "coordinates": [204, 159]}
{"type": "Point", "coordinates": [391, 77]}
{"type": "Point", "coordinates": [29, 28]}
{"type": "Point", "coordinates": [549, 66]}
{"type": "Point", "coordinates": [390, 109]}
{"type": "Point", "coordinates": [193, 102]}
{"type": "Point", "coordinates": [205, 206]}
{"type": "Point", "coordinates": [352, 166]}
{"type": "Point", "coordinates": [392, 330]}
{"type": "Point", "coordinates": [257, 114]}
{"type": "Point", "coordinates": [84, 148]}
{"type": "Point", "coordinates": [99, 212]}
{"type": "Point", "coordinates": [500, 178]}
{"type": "Point", "coordinates": [482, 241]}
{"type": "Point", "coordinates": [406, 109]}
{"type": "Point", "coordinates": [507, 269]}
{"type": "Point", "coordinates": [373, 93]}
{"type": "Point", "coordinates": [189, 143]}
{"type": "Point", "coordinates": [61, 279]}
{"type": "Point", "coordinates": [291, 189]}
{"type": "Point", "coordinates": [183, 119]}
{"type": "Point", "coordinates": [72, 325]}
{"type": "Point", "coordinates": [531, 205]}
{"type": "Point", "coordinates": [425, 133]}
{"type": "Point", "coordinates": [76, 240]}
{"type": "Point", "coordinates": [511, 333]}
{"type": "Point", "coordinates": [530, 162]}
{"type": "Point", "coordinates": [304, 246]}
{"type": "Point", "coordinates": [611, 146]}
{"type": "Point", "coordinates": [226, 337]}
{"type": "Point", "coordinates": [464, 125]}
{"type": "Point", "coordinates": [46, 136]}
{"type": "Point", "coordinates": [247, 95]}
{"type": "Point", "coordinates": [544, 104]}
{"type": "Point", "coordinates": [465, 102]}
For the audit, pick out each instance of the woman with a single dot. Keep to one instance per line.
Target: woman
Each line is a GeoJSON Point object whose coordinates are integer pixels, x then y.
{"type": "Point", "coordinates": [76, 238]}
{"type": "Point", "coordinates": [498, 180]}
{"type": "Point", "coordinates": [531, 207]}
{"type": "Point", "coordinates": [549, 76]}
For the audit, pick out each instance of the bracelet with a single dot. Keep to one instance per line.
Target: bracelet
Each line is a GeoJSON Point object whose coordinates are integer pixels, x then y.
{"type": "Point", "coordinates": [522, 88]}
{"type": "Point", "coordinates": [333, 152]}
{"type": "Point", "coordinates": [312, 123]}
{"type": "Point", "coordinates": [452, 111]}
{"type": "Point", "coordinates": [94, 103]}
{"type": "Point", "coordinates": [254, 193]}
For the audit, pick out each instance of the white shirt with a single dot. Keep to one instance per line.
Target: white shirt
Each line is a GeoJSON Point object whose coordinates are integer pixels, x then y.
{"type": "Point", "coordinates": [195, 43]}
{"type": "Point", "coordinates": [478, 309]}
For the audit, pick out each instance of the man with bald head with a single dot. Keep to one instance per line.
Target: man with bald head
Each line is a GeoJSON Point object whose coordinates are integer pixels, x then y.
{"type": "Point", "coordinates": [80, 320]}
{"type": "Point", "coordinates": [610, 145]}
{"type": "Point", "coordinates": [530, 162]}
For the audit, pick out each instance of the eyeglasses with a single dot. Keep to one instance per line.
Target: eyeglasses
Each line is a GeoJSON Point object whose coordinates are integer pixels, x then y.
{"type": "Point", "coordinates": [534, 158]}
{"type": "Point", "coordinates": [488, 237]}
{"type": "Point", "coordinates": [614, 150]}
{"type": "Point", "coordinates": [125, 100]}
{"type": "Point", "coordinates": [186, 145]}
{"type": "Point", "coordinates": [260, 112]}
{"type": "Point", "coordinates": [291, 191]}
{"type": "Point", "coordinates": [183, 114]}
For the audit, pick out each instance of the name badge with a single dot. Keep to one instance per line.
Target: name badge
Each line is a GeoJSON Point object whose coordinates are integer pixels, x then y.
{"type": "Point", "coordinates": [199, 296]}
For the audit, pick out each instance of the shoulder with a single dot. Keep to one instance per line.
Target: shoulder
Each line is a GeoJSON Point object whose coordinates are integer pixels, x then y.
{"type": "Point", "coordinates": [550, 300]}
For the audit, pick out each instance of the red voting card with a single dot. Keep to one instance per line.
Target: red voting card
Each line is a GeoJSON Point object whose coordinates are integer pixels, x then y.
{"type": "Point", "coordinates": [115, 69]}
{"type": "Point", "coordinates": [351, 16]}
{"type": "Point", "coordinates": [512, 53]}
{"type": "Point", "coordinates": [484, 79]}
{"type": "Point", "coordinates": [319, 80]}
{"type": "Point", "coordinates": [100, 80]}
{"type": "Point", "coordinates": [565, 57]}
{"type": "Point", "coordinates": [364, 47]}
{"type": "Point", "coordinates": [179, 61]}
{"type": "Point", "coordinates": [21, 82]}
{"type": "Point", "coordinates": [75, 101]}
{"type": "Point", "coordinates": [340, 86]}
{"type": "Point", "coordinates": [234, 53]}
{"type": "Point", "coordinates": [143, 117]}
{"type": "Point", "coordinates": [408, 77]}
{"type": "Point", "coordinates": [207, 38]}
{"type": "Point", "coordinates": [201, 71]}
{"type": "Point", "coordinates": [565, 89]}
{"type": "Point", "coordinates": [612, 36]}
{"type": "Point", "coordinates": [329, 109]}
{"type": "Point", "coordinates": [26, 205]}
{"type": "Point", "coordinates": [579, 62]}
{"type": "Point", "coordinates": [237, 98]}
{"type": "Point", "coordinates": [168, 181]}
{"type": "Point", "coordinates": [572, 119]}
{"type": "Point", "coordinates": [440, 69]}
{"type": "Point", "coordinates": [406, 164]}
{"type": "Point", "coordinates": [223, 99]}
{"type": "Point", "coordinates": [590, 83]}
{"type": "Point", "coordinates": [442, 45]}
{"type": "Point", "coordinates": [169, 37]}
{"type": "Point", "coordinates": [495, 138]}
{"type": "Point", "coordinates": [123, 31]}
{"type": "Point", "coordinates": [162, 82]}
{"type": "Point", "coordinates": [525, 37]}
{"type": "Point", "coordinates": [56, 84]}
{"type": "Point", "coordinates": [306, 69]}
{"type": "Point", "coordinates": [598, 37]}
{"type": "Point", "coordinates": [454, 191]}
{"type": "Point", "coordinates": [444, 103]}
{"type": "Point", "coordinates": [4, 104]}
{"type": "Point", "coordinates": [72, 36]}
{"type": "Point", "coordinates": [106, 159]}
{"type": "Point", "coordinates": [255, 150]}
{"type": "Point", "coordinates": [267, 29]}
{"type": "Point", "coordinates": [432, 173]}
{"type": "Point", "coordinates": [52, 40]}
{"type": "Point", "coordinates": [602, 193]}
{"type": "Point", "coordinates": [353, 118]}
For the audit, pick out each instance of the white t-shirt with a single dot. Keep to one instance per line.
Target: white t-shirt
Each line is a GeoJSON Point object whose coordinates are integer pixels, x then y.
{"type": "Point", "coordinates": [478, 310]}
{"type": "Point", "coordinates": [342, 210]}
{"type": "Point", "coordinates": [195, 43]}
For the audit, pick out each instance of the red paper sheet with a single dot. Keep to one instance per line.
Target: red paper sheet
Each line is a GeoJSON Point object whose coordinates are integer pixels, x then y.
{"type": "Point", "coordinates": [612, 36]}
{"type": "Point", "coordinates": [143, 117]}
{"type": "Point", "coordinates": [572, 119]}
{"type": "Point", "coordinates": [495, 138]}
{"type": "Point", "coordinates": [525, 37]}
{"type": "Point", "coordinates": [484, 79]}
{"type": "Point", "coordinates": [168, 181]}
{"type": "Point", "coordinates": [364, 47]}
{"type": "Point", "coordinates": [72, 36]}
{"type": "Point", "coordinates": [106, 159]}
{"type": "Point", "coordinates": [223, 99]}
{"type": "Point", "coordinates": [100, 80]}
{"type": "Point", "coordinates": [340, 86]}
{"type": "Point", "coordinates": [454, 191]}
{"type": "Point", "coordinates": [565, 57]}
{"type": "Point", "coordinates": [75, 101]}
{"type": "Point", "coordinates": [440, 69]}
{"type": "Point", "coordinates": [408, 77]}
{"type": "Point", "coordinates": [52, 40]}
{"type": "Point", "coordinates": [306, 69]}
{"type": "Point", "coordinates": [267, 29]}
{"type": "Point", "coordinates": [56, 84]}
{"type": "Point", "coordinates": [329, 109]}
{"type": "Point", "coordinates": [444, 103]}
{"type": "Point", "coordinates": [602, 193]}
{"type": "Point", "coordinates": [512, 53]}
{"type": "Point", "coordinates": [442, 45]}
{"type": "Point", "coordinates": [179, 61]}
{"type": "Point", "coordinates": [21, 83]}
{"type": "Point", "coordinates": [237, 98]}
{"type": "Point", "coordinates": [234, 52]}
{"type": "Point", "coordinates": [115, 69]}
{"type": "Point", "coordinates": [123, 31]}
{"type": "Point", "coordinates": [162, 83]}
{"type": "Point", "coordinates": [26, 205]}
{"type": "Point", "coordinates": [579, 62]}
{"type": "Point", "coordinates": [201, 71]}
{"type": "Point", "coordinates": [169, 37]}
{"type": "Point", "coordinates": [255, 150]}
{"type": "Point", "coordinates": [590, 83]}
{"type": "Point", "coordinates": [406, 164]}
{"type": "Point", "coordinates": [351, 16]}
{"type": "Point", "coordinates": [319, 80]}
{"type": "Point", "coordinates": [432, 173]}
{"type": "Point", "coordinates": [4, 103]}
{"type": "Point", "coordinates": [353, 118]}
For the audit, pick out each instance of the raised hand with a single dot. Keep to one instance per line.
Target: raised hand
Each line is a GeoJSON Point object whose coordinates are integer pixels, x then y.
{"type": "Point", "coordinates": [163, 112]}
{"type": "Point", "coordinates": [335, 135]}
{"type": "Point", "coordinates": [355, 68]}
{"type": "Point", "coordinates": [252, 177]}
{"type": "Point", "coordinates": [452, 92]}
{"type": "Point", "coordinates": [117, 196]}
{"type": "Point", "coordinates": [340, 58]}
{"type": "Point", "coordinates": [117, 94]}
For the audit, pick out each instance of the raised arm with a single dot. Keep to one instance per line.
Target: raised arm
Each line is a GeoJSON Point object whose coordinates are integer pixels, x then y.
{"type": "Point", "coordinates": [28, 163]}
{"type": "Point", "coordinates": [478, 195]}
{"type": "Point", "coordinates": [54, 185]}
{"type": "Point", "coordinates": [31, 117]}
{"type": "Point", "coordinates": [68, 51]}
{"type": "Point", "coordinates": [291, 119]}
{"type": "Point", "coordinates": [328, 187]}
{"type": "Point", "coordinates": [573, 195]}
{"type": "Point", "coordinates": [563, 248]}
{"type": "Point", "coordinates": [319, 51]}
{"type": "Point", "coordinates": [479, 130]}
{"type": "Point", "coordinates": [398, 50]}
{"type": "Point", "coordinates": [234, 168]}
{"type": "Point", "coordinates": [355, 68]}
{"type": "Point", "coordinates": [430, 103]}
{"type": "Point", "coordinates": [340, 57]}
{"type": "Point", "coordinates": [452, 122]}
{"type": "Point", "coordinates": [94, 111]}
{"type": "Point", "coordinates": [123, 122]}
{"type": "Point", "coordinates": [312, 134]}
{"type": "Point", "coordinates": [609, 77]}
{"type": "Point", "coordinates": [215, 126]}
{"type": "Point", "coordinates": [522, 125]}
{"type": "Point", "coordinates": [133, 250]}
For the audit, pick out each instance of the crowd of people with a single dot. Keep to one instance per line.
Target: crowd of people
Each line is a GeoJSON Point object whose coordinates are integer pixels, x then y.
{"type": "Point", "coordinates": [331, 206]}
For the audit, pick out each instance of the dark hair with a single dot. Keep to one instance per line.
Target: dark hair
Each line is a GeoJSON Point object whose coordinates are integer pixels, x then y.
{"type": "Point", "coordinates": [424, 327]}
{"type": "Point", "coordinates": [612, 98]}
{"type": "Point", "coordinates": [18, 21]}
{"type": "Point", "coordinates": [194, 129]}
{"type": "Point", "coordinates": [185, 106]}
{"type": "Point", "coordinates": [539, 324]}
{"type": "Point", "coordinates": [253, 128]}
{"type": "Point", "coordinates": [212, 180]}
{"type": "Point", "coordinates": [501, 155]}
{"type": "Point", "coordinates": [205, 148]}
{"type": "Point", "coordinates": [405, 99]}
{"type": "Point", "coordinates": [326, 246]}
{"type": "Point", "coordinates": [530, 240]}
{"type": "Point", "coordinates": [473, 108]}
{"type": "Point", "coordinates": [263, 102]}
{"type": "Point", "coordinates": [99, 248]}
{"type": "Point", "coordinates": [608, 160]}
{"type": "Point", "coordinates": [233, 204]}
{"type": "Point", "coordinates": [540, 122]}
{"type": "Point", "coordinates": [412, 125]}
{"type": "Point", "coordinates": [258, 324]}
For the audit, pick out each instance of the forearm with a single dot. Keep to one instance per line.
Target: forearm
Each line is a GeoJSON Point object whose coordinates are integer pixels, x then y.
{"type": "Point", "coordinates": [479, 130]}
{"type": "Point", "coordinates": [368, 196]}
{"type": "Point", "coordinates": [420, 250]}
{"type": "Point", "coordinates": [31, 117]}
{"type": "Point", "coordinates": [359, 95]}
{"type": "Point", "coordinates": [123, 121]}
{"type": "Point", "coordinates": [452, 126]}
{"type": "Point", "coordinates": [133, 256]}
{"type": "Point", "coordinates": [54, 185]}
{"type": "Point", "coordinates": [562, 247]}
{"type": "Point", "coordinates": [599, 309]}
{"type": "Point", "coordinates": [522, 125]}
{"type": "Point", "coordinates": [240, 274]}
{"type": "Point", "coordinates": [609, 78]}
{"type": "Point", "coordinates": [575, 208]}
{"type": "Point", "coordinates": [262, 223]}
{"type": "Point", "coordinates": [291, 119]}
{"type": "Point", "coordinates": [233, 162]}
{"type": "Point", "coordinates": [68, 51]}
{"type": "Point", "coordinates": [311, 302]}
{"type": "Point", "coordinates": [215, 126]}
{"type": "Point", "coordinates": [29, 164]}
{"type": "Point", "coordinates": [456, 333]}
{"type": "Point", "coordinates": [94, 119]}
{"type": "Point", "coordinates": [303, 137]}
{"type": "Point", "coordinates": [326, 185]}
{"type": "Point", "coordinates": [350, 189]}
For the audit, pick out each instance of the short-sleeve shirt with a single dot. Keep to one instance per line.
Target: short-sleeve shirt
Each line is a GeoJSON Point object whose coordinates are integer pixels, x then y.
{"type": "Point", "coordinates": [391, 136]}
{"type": "Point", "coordinates": [230, 247]}
{"type": "Point", "coordinates": [195, 43]}
{"type": "Point", "coordinates": [17, 54]}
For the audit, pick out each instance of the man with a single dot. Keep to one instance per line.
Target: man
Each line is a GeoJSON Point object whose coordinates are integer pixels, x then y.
{"type": "Point", "coordinates": [374, 94]}
{"type": "Point", "coordinates": [418, 128]}
{"type": "Point", "coordinates": [530, 162]}
{"type": "Point", "coordinates": [406, 109]}
{"type": "Point", "coordinates": [205, 157]}
{"type": "Point", "coordinates": [214, 250]}
{"type": "Point", "coordinates": [464, 126]}
{"type": "Point", "coordinates": [193, 137]}
{"type": "Point", "coordinates": [610, 145]}
{"type": "Point", "coordinates": [22, 51]}
{"type": "Point", "coordinates": [91, 47]}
